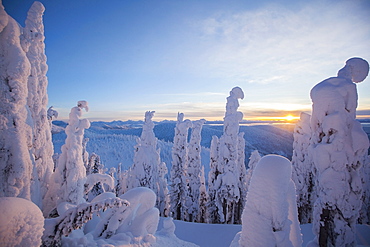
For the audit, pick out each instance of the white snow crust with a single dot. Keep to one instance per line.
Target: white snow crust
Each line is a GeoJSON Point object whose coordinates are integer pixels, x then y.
{"type": "Point", "coordinates": [21, 222]}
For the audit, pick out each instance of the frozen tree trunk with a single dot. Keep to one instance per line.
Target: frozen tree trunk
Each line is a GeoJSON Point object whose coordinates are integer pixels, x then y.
{"type": "Point", "coordinates": [270, 214]}
{"type": "Point", "coordinates": [179, 168]}
{"type": "Point", "coordinates": [193, 172]}
{"type": "Point", "coordinates": [71, 172]}
{"type": "Point", "coordinates": [338, 150]}
{"type": "Point", "coordinates": [42, 147]}
{"type": "Point", "coordinates": [228, 192]}
{"type": "Point", "coordinates": [302, 174]}
{"type": "Point", "coordinates": [15, 130]}
{"type": "Point", "coordinates": [145, 170]}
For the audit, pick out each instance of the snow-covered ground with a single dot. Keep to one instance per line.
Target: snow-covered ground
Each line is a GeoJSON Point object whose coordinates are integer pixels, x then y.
{"type": "Point", "coordinates": [221, 235]}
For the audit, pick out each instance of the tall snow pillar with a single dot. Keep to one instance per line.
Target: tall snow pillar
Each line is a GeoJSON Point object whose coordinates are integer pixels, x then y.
{"type": "Point", "coordinates": [338, 150]}
{"type": "Point", "coordinates": [15, 132]}
{"type": "Point", "coordinates": [228, 191]}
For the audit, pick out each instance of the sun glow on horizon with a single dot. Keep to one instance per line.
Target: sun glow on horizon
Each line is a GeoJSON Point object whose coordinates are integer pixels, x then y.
{"type": "Point", "coordinates": [287, 118]}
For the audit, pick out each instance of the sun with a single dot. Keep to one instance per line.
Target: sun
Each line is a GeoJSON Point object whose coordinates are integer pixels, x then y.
{"type": "Point", "coordinates": [290, 118]}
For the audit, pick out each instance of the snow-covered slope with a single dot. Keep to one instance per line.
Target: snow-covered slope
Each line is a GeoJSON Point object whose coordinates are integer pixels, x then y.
{"type": "Point", "coordinates": [114, 141]}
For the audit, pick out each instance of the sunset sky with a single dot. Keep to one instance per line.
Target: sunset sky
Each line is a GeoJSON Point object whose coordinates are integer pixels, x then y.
{"type": "Point", "coordinates": [126, 57]}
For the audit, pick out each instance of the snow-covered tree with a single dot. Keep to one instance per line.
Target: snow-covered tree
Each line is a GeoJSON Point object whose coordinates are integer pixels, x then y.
{"type": "Point", "coordinates": [163, 197]}
{"type": "Point", "coordinates": [146, 160]}
{"type": "Point", "coordinates": [51, 113]}
{"type": "Point", "coordinates": [242, 173]}
{"type": "Point", "coordinates": [145, 170]}
{"type": "Point", "coordinates": [179, 166]}
{"type": "Point", "coordinates": [338, 150]}
{"type": "Point", "coordinates": [75, 218]}
{"type": "Point", "coordinates": [203, 199]}
{"type": "Point", "coordinates": [365, 209]}
{"type": "Point", "coordinates": [70, 174]}
{"type": "Point", "coordinates": [253, 161]}
{"type": "Point", "coordinates": [15, 131]}
{"type": "Point", "coordinates": [215, 170]}
{"type": "Point", "coordinates": [302, 173]}
{"type": "Point", "coordinates": [37, 99]}
{"type": "Point", "coordinates": [228, 191]}
{"type": "Point", "coordinates": [270, 215]}
{"type": "Point", "coordinates": [94, 167]}
{"type": "Point", "coordinates": [193, 172]}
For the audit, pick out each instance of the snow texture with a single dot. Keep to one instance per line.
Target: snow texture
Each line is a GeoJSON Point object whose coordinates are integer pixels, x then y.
{"type": "Point", "coordinates": [338, 150]}
{"type": "Point", "coordinates": [270, 214]}
{"type": "Point", "coordinates": [21, 223]}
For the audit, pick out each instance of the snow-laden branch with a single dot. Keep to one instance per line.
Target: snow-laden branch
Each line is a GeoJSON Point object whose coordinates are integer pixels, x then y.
{"type": "Point", "coordinates": [74, 218]}
{"type": "Point", "coordinates": [95, 178]}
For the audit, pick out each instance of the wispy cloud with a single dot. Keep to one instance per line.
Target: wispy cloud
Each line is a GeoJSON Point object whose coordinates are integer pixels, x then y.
{"type": "Point", "coordinates": [277, 44]}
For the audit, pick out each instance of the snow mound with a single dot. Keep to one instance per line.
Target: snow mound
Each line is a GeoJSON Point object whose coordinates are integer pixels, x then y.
{"type": "Point", "coordinates": [21, 222]}
{"type": "Point", "coordinates": [270, 213]}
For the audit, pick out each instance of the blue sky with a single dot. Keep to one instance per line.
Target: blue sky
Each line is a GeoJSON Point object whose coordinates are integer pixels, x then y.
{"type": "Point", "coordinates": [129, 56]}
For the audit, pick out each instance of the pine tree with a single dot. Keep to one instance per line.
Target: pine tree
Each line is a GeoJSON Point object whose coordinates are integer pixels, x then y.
{"type": "Point", "coordinates": [37, 100]}
{"type": "Point", "coordinates": [213, 216]}
{"type": "Point", "coordinates": [228, 191]}
{"type": "Point", "coordinates": [203, 199]}
{"type": "Point", "coordinates": [179, 167]}
{"type": "Point", "coordinates": [70, 172]}
{"type": "Point", "coordinates": [302, 174]}
{"type": "Point", "coordinates": [193, 172]}
{"type": "Point", "coordinates": [145, 170]}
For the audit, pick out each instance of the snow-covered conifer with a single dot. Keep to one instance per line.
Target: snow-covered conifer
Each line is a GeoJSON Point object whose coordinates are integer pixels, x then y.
{"type": "Point", "coordinates": [193, 172]}
{"type": "Point", "coordinates": [365, 209]}
{"type": "Point", "coordinates": [145, 170]}
{"type": "Point", "coordinates": [228, 192]}
{"type": "Point", "coordinates": [75, 218]}
{"type": "Point", "coordinates": [15, 131]}
{"type": "Point", "coordinates": [203, 199]}
{"type": "Point", "coordinates": [163, 197]}
{"type": "Point", "coordinates": [179, 166]}
{"type": "Point", "coordinates": [215, 170]}
{"type": "Point", "coordinates": [42, 147]}
{"type": "Point", "coordinates": [253, 161]}
{"type": "Point", "coordinates": [51, 113]}
{"type": "Point", "coordinates": [270, 214]}
{"type": "Point", "coordinates": [338, 150]}
{"type": "Point", "coordinates": [302, 173]}
{"type": "Point", "coordinates": [242, 174]}
{"type": "Point", "coordinates": [146, 159]}
{"type": "Point", "coordinates": [70, 174]}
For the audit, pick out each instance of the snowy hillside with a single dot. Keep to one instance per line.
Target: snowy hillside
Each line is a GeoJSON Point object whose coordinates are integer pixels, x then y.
{"type": "Point", "coordinates": [114, 141]}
